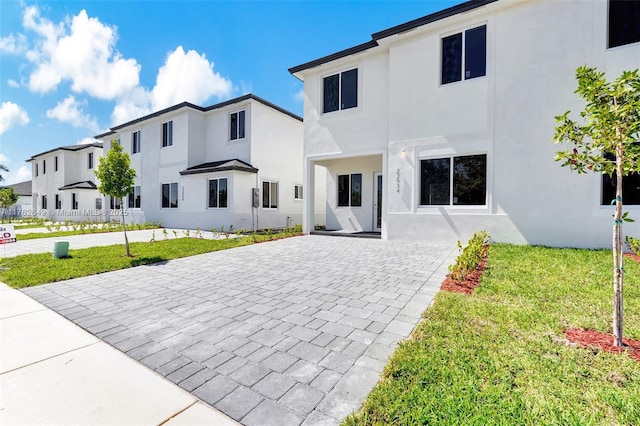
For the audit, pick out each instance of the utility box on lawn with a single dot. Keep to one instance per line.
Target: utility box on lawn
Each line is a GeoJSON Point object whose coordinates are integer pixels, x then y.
{"type": "Point", "coordinates": [60, 249]}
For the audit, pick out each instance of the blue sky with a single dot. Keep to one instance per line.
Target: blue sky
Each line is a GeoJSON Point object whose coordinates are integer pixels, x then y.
{"type": "Point", "coordinates": [71, 69]}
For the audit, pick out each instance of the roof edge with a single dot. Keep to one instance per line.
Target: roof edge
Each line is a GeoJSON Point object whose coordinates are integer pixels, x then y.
{"type": "Point", "coordinates": [67, 148]}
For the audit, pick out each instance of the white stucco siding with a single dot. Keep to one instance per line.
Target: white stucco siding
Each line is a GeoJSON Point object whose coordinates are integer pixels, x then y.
{"type": "Point", "coordinates": [219, 145]}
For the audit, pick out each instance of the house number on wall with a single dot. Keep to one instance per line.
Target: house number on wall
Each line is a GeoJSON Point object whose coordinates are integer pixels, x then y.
{"type": "Point", "coordinates": [398, 181]}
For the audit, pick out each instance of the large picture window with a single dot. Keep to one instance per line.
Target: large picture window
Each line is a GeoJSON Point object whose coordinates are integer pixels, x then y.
{"type": "Point", "coordinates": [167, 134]}
{"type": "Point", "coordinates": [458, 181]}
{"type": "Point", "coordinates": [350, 190]}
{"type": "Point", "coordinates": [624, 22]}
{"type": "Point", "coordinates": [464, 51]}
{"type": "Point", "coordinates": [236, 125]}
{"type": "Point", "coordinates": [269, 194]}
{"type": "Point", "coordinates": [340, 91]}
{"type": "Point", "coordinates": [170, 195]}
{"type": "Point", "coordinates": [218, 193]}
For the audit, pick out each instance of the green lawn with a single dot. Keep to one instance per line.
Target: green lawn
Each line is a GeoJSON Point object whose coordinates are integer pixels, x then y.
{"type": "Point", "coordinates": [34, 269]}
{"type": "Point", "coordinates": [499, 357]}
{"type": "Point", "coordinates": [85, 230]}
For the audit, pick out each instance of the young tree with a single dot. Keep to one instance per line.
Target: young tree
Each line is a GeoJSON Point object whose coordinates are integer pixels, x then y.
{"type": "Point", "coordinates": [7, 199]}
{"type": "Point", "coordinates": [116, 179]}
{"type": "Point", "coordinates": [3, 168]}
{"type": "Point", "coordinates": [607, 141]}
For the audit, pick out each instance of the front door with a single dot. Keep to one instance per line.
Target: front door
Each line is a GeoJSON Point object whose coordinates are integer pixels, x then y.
{"type": "Point", "coordinates": [377, 201]}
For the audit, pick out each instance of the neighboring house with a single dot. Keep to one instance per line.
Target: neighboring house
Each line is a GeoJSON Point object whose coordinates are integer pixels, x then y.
{"type": "Point", "coordinates": [22, 207]}
{"type": "Point", "coordinates": [237, 163]}
{"type": "Point", "coordinates": [442, 126]}
{"type": "Point", "coordinates": [64, 184]}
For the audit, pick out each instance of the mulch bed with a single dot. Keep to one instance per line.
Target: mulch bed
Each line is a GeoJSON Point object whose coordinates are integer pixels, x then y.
{"type": "Point", "coordinates": [632, 256]}
{"type": "Point", "coordinates": [471, 281]}
{"type": "Point", "coordinates": [592, 338]}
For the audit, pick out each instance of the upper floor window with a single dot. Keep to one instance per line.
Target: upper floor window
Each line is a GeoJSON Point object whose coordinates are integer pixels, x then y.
{"type": "Point", "coordinates": [237, 125]}
{"type": "Point", "coordinates": [135, 199]}
{"type": "Point", "coordinates": [218, 193]}
{"type": "Point", "coordinates": [269, 194]}
{"type": "Point", "coordinates": [458, 181]}
{"type": "Point", "coordinates": [55, 163]}
{"type": "Point", "coordinates": [135, 142]}
{"type": "Point", "coordinates": [473, 43]}
{"type": "Point", "coordinates": [44, 167]}
{"type": "Point", "coordinates": [297, 192]}
{"type": "Point", "coordinates": [624, 22]}
{"type": "Point", "coordinates": [340, 91]}
{"type": "Point", "coordinates": [90, 160]}
{"type": "Point", "coordinates": [350, 190]}
{"type": "Point", "coordinates": [36, 169]}
{"type": "Point", "coordinates": [167, 134]}
{"type": "Point", "coordinates": [170, 195]}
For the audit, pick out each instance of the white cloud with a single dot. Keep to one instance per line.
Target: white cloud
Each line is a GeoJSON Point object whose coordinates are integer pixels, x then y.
{"type": "Point", "coordinates": [136, 104]}
{"type": "Point", "coordinates": [4, 159]}
{"type": "Point", "coordinates": [12, 115]}
{"type": "Point", "coordinates": [20, 175]}
{"type": "Point", "coordinates": [187, 77]}
{"type": "Point", "coordinates": [81, 50]}
{"type": "Point", "coordinates": [13, 44]}
{"type": "Point", "coordinates": [12, 83]}
{"type": "Point", "coordinates": [71, 111]}
{"type": "Point", "coordinates": [86, 141]}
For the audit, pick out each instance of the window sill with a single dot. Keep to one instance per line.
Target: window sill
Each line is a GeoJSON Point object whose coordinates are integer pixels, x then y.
{"type": "Point", "coordinates": [483, 209]}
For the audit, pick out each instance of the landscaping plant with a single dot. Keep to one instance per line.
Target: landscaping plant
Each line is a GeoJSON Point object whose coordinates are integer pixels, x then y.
{"type": "Point", "coordinates": [470, 256]}
{"type": "Point", "coordinates": [606, 142]}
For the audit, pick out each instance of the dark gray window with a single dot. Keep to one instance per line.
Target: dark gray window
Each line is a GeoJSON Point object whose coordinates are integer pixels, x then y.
{"type": "Point", "coordinates": [624, 22]}
{"type": "Point", "coordinates": [237, 125]}
{"type": "Point", "coordinates": [350, 190]}
{"type": "Point", "coordinates": [44, 201]}
{"type": "Point", "coordinates": [115, 203]}
{"type": "Point", "coordinates": [269, 194]}
{"type": "Point", "coordinates": [74, 201]}
{"type": "Point", "coordinates": [98, 203]}
{"type": "Point", "coordinates": [58, 201]}
{"type": "Point", "coordinates": [167, 134]}
{"type": "Point", "coordinates": [340, 91]}
{"type": "Point", "coordinates": [135, 199]}
{"type": "Point", "coordinates": [467, 186]}
{"type": "Point", "coordinates": [135, 142]}
{"type": "Point", "coordinates": [170, 195]}
{"type": "Point", "coordinates": [630, 186]}
{"type": "Point", "coordinates": [44, 167]}
{"type": "Point", "coordinates": [474, 61]}
{"type": "Point", "coordinates": [218, 193]}
{"type": "Point", "coordinates": [55, 163]}
{"type": "Point", "coordinates": [90, 160]}
{"type": "Point", "coordinates": [297, 192]}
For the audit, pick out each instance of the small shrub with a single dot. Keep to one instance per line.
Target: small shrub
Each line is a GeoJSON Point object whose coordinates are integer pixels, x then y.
{"type": "Point", "coordinates": [164, 233]}
{"type": "Point", "coordinates": [470, 257]}
{"type": "Point", "coordinates": [634, 245]}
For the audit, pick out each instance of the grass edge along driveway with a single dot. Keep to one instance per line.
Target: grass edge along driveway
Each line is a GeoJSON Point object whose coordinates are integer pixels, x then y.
{"type": "Point", "coordinates": [35, 269]}
{"type": "Point", "coordinates": [499, 356]}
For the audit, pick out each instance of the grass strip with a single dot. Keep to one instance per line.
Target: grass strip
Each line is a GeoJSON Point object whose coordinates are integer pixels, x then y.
{"type": "Point", "coordinates": [499, 356]}
{"type": "Point", "coordinates": [34, 269]}
{"type": "Point", "coordinates": [88, 231]}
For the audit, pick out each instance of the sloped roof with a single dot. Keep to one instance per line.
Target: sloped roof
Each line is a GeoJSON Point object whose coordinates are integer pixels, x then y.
{"type": "Point", "coordinates": [85, 184]}
{"type": "Point", "coordinates": [20, 188]}
{"type": "Point", "coordinates": [407, 26]}
{"type": "Point", "coordinates": [68, 148]}
{"type": "Point", "coordinates": [220, 166]}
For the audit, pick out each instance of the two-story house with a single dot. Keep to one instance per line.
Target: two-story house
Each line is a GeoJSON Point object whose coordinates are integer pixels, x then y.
{"type": "Point", "coordinates": [442, 126]}
{"type": "Point", "coordinates": [64, 185]}
{"type": "Point", "coordinates": [237, 163]}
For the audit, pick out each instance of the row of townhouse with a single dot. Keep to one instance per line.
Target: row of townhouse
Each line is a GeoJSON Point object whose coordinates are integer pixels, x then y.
{"type": "Point", "coordinates": [432, 130]}
{"type": "Point", "coordinates": [442, 126]}
{"type": "Point", "coordinates": [237, 163]}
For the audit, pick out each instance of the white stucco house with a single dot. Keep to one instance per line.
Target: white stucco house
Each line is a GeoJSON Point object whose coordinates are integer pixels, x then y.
{"type": "Point", "coordinates": [22, 207]}
{"type": "Point", "coordinates": [236, 163]}
{"type": "Point", "coordinates": [442, 126]}
{"type": "Point", "coordinates": [64, 184]}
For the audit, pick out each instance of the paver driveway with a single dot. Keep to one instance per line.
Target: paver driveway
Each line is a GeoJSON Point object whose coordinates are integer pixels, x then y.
{"type": "Point", "coordinates": [289, 332]}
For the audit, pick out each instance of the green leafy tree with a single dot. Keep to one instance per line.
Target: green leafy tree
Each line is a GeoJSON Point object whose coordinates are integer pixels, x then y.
{"type": "Point", "coordinates": [7, 199]}
{"type": "Point", "coordinates": [116, 179]}
{"type": "Point", "coordinates": [3, 168]}
{"type": "Point", "coordinates": [606, 141]}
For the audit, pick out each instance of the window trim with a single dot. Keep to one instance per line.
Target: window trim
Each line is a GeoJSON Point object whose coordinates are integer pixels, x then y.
{"type": "Point", "coordinates": [167, 138]}
{"type": "Point", "coordinates": [177, 195]}
{"type": "Point", "coordinates": [450, 205]}
{"type": "Point", "coordinates": [608, 23]}
{"type": "Point", "coordinates": [339, 73]}
{"type": "Point", "coordinates": [463, 31]}
{"type": "Point", "coordinates": [271, 182]}
{"type": "Point", "coordinates": [350, 185]}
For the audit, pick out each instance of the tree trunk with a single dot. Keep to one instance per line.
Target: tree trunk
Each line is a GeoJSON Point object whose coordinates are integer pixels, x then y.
{"type": "Point", "coordinates": [618, 256]}
{"type": "Point", "coordinates": [124, 227]}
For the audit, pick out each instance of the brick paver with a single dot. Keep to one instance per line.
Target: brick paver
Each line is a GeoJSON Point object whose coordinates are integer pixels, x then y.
{"type": "Point", "coordinates": [289, 332]}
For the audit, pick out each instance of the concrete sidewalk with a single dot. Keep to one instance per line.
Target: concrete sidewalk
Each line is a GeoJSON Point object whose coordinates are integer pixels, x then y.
{"type": "Point", "coordinates": [53, 372]}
